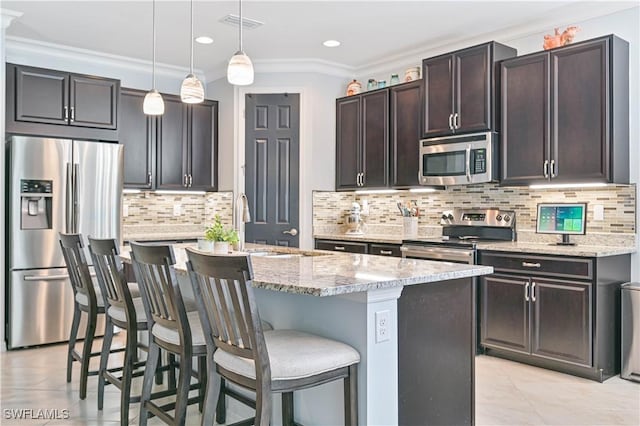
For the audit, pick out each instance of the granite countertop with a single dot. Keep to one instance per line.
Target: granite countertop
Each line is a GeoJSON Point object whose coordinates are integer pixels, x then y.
{"type": "Point", "coordinates": [321, 273]}
{"type": "Point", "coordinates": [579, 250]}
{"type": "Point", "coordinates": [369, 238]}
{"type": "Point", "coordinates": [164, 236]}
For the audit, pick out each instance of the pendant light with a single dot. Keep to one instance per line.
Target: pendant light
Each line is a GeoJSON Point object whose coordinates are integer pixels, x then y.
{"type": "Point", "coordinates": [191, 91]}
{"type": "Point", "coordinates": [240, 70]}
{"type": "Point", "coordinates": [153, 103]}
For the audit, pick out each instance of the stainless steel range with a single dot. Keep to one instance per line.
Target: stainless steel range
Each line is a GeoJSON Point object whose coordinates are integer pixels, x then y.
{"type": "Point", "coordinates": [461, 230]}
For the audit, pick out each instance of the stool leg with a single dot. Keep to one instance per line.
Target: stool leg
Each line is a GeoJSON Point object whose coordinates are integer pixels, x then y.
{"type": "Point", "coordinates": [86, 353]}
{"type": "Point", "coordinates": [130, 357]}
{"type": "Point", "coordinates": [211, 395]}
{"type": "Point", "coordinates": [351, 396]}
{"type": "Point", "coordinates": [149, 373]}
{"type": "Point", "coordinates": [171, 374]}
{"type": "Point", "coordinates": [104, 358]}
{"type": "Point", "coordinates": [202, 378]}
{"type": "Point", "coordinates": [263, 405]}
{"type": "Point", "coordinates": [287, 409]}
{"type": "Point", "coordinates": [182, 392]}
{"type": "Point", "coordinates": [221, 408]}
{"type": "Point", "coordinates": [73, 336]}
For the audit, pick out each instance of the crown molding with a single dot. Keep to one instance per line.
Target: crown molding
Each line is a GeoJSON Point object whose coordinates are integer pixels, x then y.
{"type": "Point", "coordinates": [305, 65]}
{"type": "Point", "coordinates": [17, 47]}
{"type": "Point", "coordinates": [8, 16]}
{"type": "Point", "coordinates": [563, 16]}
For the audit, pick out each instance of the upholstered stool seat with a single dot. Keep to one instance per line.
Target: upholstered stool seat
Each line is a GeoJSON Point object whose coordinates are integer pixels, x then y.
{"type": "Point", "coordinates": [118, 313]}
{"type": "Point", "coordinates": [171, 335]}
{"type": "Point", "coordinates": [293, 355]}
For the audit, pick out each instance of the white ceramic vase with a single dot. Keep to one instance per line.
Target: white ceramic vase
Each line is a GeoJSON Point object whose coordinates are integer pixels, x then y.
{"type": "Point", "coordinates": [221, 247]}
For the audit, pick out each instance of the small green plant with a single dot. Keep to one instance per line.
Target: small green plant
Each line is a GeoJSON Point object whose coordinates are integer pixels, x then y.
{"type": "Point", "coordinates": [217, 232]}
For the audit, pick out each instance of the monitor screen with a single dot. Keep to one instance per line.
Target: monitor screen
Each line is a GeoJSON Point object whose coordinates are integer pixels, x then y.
{"type": "Point", "coordinates": [561, 218]}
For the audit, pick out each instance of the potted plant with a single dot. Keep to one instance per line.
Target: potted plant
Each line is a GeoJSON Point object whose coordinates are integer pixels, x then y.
{"type": "Point", "coordinates": [220, 236]}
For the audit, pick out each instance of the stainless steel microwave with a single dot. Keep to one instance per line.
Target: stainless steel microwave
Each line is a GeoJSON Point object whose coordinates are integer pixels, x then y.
{"type": "Point", "coordinates": [459, 160]}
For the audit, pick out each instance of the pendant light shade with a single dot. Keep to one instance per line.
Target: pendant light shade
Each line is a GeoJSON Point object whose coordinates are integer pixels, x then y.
{"type": "Point", "coordinates": [240, 69]}
{"type": "Point", "coordinates": [191, 91]}
{"type": "Point", "coordinates": [153, 103]}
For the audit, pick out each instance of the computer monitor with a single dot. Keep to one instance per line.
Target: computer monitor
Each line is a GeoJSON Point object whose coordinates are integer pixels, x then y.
{"type": "Point", "coordinates": [563, 219]}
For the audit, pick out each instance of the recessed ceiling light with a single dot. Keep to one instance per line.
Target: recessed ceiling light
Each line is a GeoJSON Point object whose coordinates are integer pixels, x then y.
{"type": "Point", "coordinates": [331, 43]}
{"type": "Point", "coordinates": [204, 40]}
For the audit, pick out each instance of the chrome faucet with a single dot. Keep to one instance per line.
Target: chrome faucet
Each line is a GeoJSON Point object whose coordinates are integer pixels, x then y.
{"type": "Point", "coordinates": [242, 216]}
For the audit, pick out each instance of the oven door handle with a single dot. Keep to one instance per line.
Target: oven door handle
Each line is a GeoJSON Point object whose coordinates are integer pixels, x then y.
{"type": "Point", "coordinates": [438, 254]}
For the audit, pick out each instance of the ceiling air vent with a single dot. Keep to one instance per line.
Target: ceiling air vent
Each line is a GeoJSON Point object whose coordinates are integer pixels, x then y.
{"type": "Point", "coordinates": [247, 23]}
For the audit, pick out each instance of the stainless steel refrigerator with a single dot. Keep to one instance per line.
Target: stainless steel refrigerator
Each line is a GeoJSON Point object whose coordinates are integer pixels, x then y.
{"type": "Point", "coordinates": [53, 186]}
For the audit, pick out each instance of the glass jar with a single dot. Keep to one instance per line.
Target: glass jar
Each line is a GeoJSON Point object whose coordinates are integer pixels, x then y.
{"type": "Point", "coordinates": [382, 83]}
{"type": "Point", "coordinates": [394, 79]}
{"type": "Point", "coordinates": [372, 84]}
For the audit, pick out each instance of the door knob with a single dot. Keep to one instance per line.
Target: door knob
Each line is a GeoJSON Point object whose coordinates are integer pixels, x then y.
{"type": "Point", "coordinates": [293, 232]}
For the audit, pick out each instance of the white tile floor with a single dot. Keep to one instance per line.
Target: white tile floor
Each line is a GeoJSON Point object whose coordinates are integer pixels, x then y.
{"type": "Point", "coordinates": [507, 393]}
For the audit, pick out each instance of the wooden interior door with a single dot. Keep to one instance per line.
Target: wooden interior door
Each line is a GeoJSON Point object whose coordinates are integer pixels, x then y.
{"type": "Point", "coordinates": [272, 147]}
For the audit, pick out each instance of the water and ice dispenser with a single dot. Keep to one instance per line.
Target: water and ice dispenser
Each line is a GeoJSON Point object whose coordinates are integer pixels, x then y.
{"type": "Point", "coordinates": [36, 199]}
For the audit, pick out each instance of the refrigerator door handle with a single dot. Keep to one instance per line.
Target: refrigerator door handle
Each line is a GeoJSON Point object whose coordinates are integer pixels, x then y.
{"type": "Point", "coordinates": [68, 226]}
{"type": "Point", "coordinates": [76, 207]}
{"type": "Point", "coordinates": [51, 277]}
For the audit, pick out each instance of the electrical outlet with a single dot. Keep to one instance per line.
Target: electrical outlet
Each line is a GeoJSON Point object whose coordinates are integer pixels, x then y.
{"type": "Point", "coordinates": [125, 210]}
{"type": "Point", "coordinates": [598, 212]}
{"type": "Point", "coordinates": [177, 209]}
{"type": "Point", "coordinates": [383, 328]}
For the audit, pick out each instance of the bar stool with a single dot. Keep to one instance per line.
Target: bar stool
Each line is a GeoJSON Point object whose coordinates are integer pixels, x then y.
{"type": "Point", "coordinates": [280, 361]}
{"type": "Point", "coordinates": [85, 300]}
{"type": "Point", "coordinates": [172, 328]}
{"type": "Point", "coordinates": [126, 312]}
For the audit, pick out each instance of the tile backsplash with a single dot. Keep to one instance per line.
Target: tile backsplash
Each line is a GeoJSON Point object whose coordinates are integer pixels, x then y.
{"type": "Point", "coordinates": [152, 213]}
{"type": "Point", "coordinates": [619, 202]}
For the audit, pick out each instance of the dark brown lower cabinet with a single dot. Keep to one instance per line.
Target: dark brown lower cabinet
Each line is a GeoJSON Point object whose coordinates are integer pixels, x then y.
{"type": "Point", "coordinates": [362, 247]}
{"type": "Point", "coordinates": [555, 312]}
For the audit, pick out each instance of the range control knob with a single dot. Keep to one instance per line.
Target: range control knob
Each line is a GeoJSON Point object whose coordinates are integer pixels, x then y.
{"type": "Point", "coordinates": [450, 216]}
{"type": "Point", "coordinates": [499, 218]}
{"type": "Point", "coordinates": [507, 218]}
{"type": "Point", "coordinates": [444, 217]}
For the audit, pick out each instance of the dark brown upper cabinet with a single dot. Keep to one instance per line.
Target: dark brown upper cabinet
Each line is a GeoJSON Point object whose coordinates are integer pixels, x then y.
{"type": "Point", "coordinates": [405, 134]}
{"type": "Point", "coordinates": [558, 121]}
{"type": "Point", "coordinates": [137, 134]}
{"type": "Point", "coordinates": [177, 150]}
{"type": "Point", "coordinates": [61, 104]}
{"type": "Point", "coordinates": [187, 145]}
{"type": "Point", "coordinates": [460, 90]}
{"type": "Point", "coordinates": [362, 141]}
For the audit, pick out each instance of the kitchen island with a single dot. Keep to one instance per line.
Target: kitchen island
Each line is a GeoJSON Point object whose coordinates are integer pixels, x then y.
{"type": "Point", "coordinates": [413, 322]}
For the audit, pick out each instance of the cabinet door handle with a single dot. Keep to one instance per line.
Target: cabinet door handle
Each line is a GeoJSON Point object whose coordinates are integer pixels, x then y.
{"type": "Point", "coordinates": [338, 248]}
{"type": "Point", "coordinates": [190, 180]}
{"type": "Point", "coordinates": [149, 179]}
{"type": "Point", "coordinates": [533, 291]}
{"type": "Point", "coordinates": [184, 180]}
{"type": "Point", "coordinates": [73, 114]}
{"type": "Point", "coordinates": [358, 180]}
{"type": "Point", "coordinates": [526, 291]}
{"type": "Point", "coordinates": [530, 265]}
{"type": "Point", "coordinates": [545, 168]}
{"type": "Point", "coordinates": [553, 168]}
{"type": "Point", "coordinates": [387, 252]}
{"type": "Point", "coordinates": [362, 179]}
{"type": "Point", "coordinates": [66, 113]}
{"type": "Point", "coordinates": [451, 121]}
{"type": "Point", "coordinates": [456, 121]}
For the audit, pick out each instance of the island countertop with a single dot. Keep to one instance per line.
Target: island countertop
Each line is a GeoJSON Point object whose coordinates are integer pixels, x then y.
{"type": "Point", "coordinates": [321, 273]}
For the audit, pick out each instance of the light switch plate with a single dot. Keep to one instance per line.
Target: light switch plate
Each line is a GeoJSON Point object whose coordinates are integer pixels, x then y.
{"type": "Point", "coordinates": [125, 210]}
{"type": "Point", "coordinates": [177, 209]}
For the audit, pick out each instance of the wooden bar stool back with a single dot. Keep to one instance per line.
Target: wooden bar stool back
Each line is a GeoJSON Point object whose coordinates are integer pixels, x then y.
{"type": "Point", "coordinates": [172, 329]}
{"type": "Point", "coordinates": [280, 361]}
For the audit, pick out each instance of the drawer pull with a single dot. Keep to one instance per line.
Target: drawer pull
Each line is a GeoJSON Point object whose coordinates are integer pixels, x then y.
{"type": "Point", "coordinates": [530, 265]}
{"type": "Point", "coordinates": [387, 252]}
{"type": "Point", "coordinates": [339, 248]}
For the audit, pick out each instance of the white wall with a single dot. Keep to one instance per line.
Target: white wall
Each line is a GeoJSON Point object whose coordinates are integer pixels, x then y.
{"type": "Point", "coordinates": [624, 24]}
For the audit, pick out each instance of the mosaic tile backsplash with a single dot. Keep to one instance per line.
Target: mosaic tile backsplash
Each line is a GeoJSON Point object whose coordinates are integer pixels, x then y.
{"type": "Point", "coordinates": [153, 213]}
{"type": "Point", "coordinates": [619, 201]}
